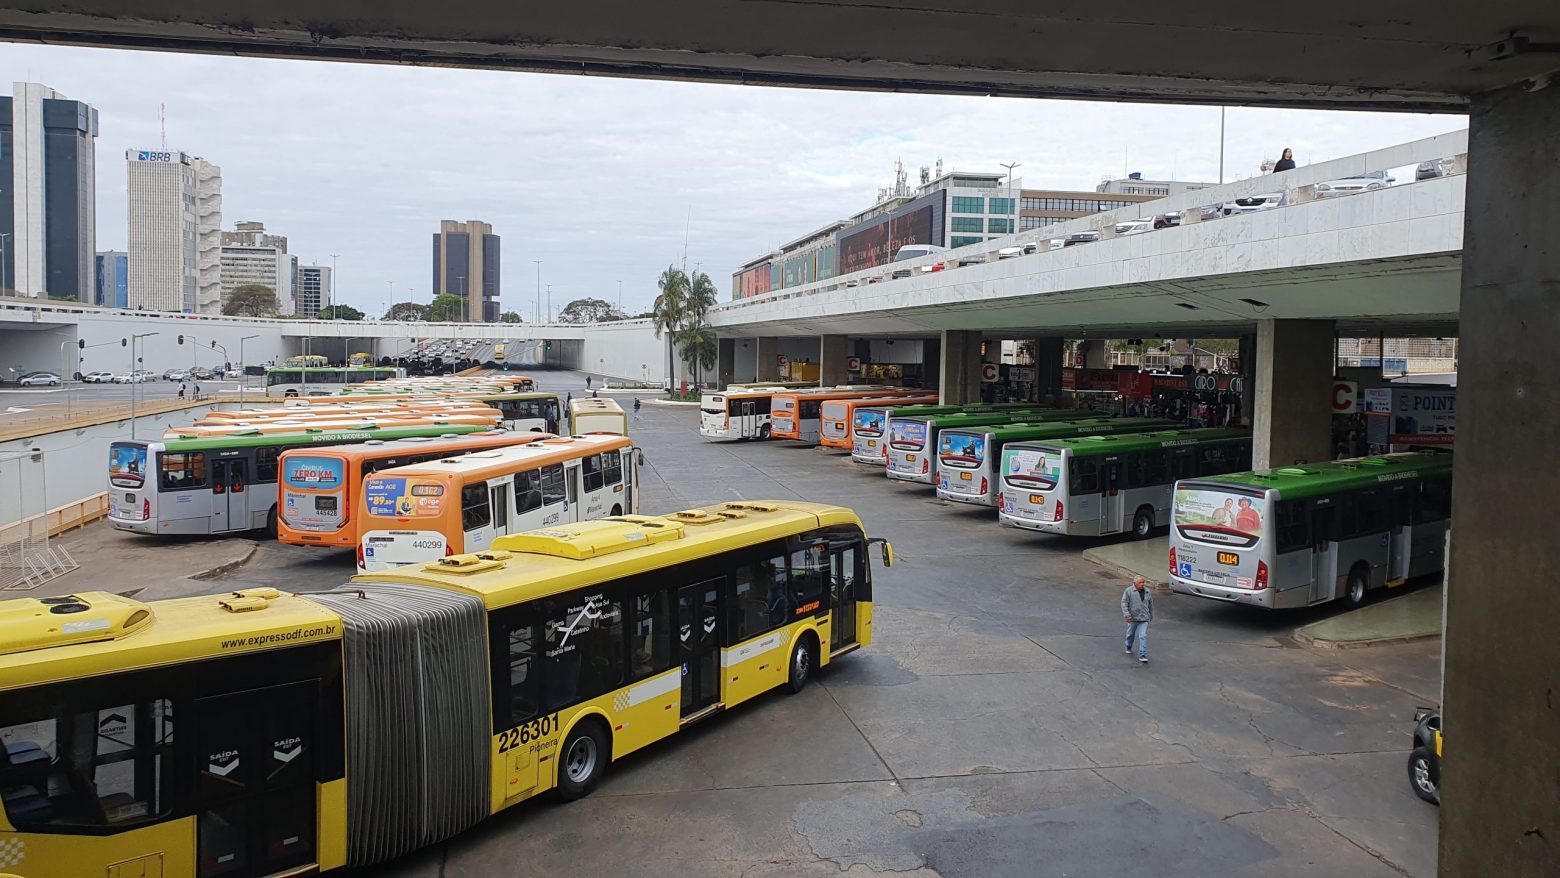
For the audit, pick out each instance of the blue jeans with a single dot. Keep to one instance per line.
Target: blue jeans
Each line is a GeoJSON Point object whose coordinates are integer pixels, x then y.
{"type": "Point", "coordinates": [1140, 631]}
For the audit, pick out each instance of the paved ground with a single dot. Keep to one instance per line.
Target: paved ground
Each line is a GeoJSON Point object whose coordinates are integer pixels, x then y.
{"type": "Point", "coordinates": [993, 729]}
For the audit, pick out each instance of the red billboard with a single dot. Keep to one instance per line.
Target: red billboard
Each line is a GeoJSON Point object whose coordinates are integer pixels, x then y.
{"type": "Point", "coordinates": [753, 281]}
{"type": "Point", "coordinates": [874, 243]}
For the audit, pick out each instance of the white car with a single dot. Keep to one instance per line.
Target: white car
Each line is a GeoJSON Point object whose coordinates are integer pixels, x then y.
{"type": "Point", "coordinates": [39, 379]}
{"type": "Point", "coordinates": [1134, 227]}
{"type": "Point", "coordinates": [98, 377]}
{"type": "Point", "coordinates": [1254, 203]}
{"type": "Point", "coordinates": [1366, 182]}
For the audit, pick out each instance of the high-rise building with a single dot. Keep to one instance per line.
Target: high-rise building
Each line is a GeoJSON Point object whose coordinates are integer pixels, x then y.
{"type": "Point", "coordinates": [250, 256]}
{"type": "Point", "coordinates": [1039, 208]}
{"type": "Point", "coordinates": [48, 199]}
{"type": "Point", "coordinates": [113, 279]}
{"type": "Point", "coordinates": [1134, 184]}
{"type": "Point", "coordinates": [465, 263]}
{"type": "Point", "coordinates": [314, 289]}
{"type": "Point", "coordinates": [175, 231]}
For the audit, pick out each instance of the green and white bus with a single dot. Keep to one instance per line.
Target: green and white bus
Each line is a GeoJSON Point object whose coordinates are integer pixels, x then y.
{"type": "Point", "coordinates": [1098, 485]}
{"type": "Point", "coordinates": [868, 425]}
{"type": "Point", "coordinates": [1303, 535]}
{"type": "Point", "coordinates": [323, 380]}
{"type": "Point", "coordinates": [968, 458]}
{"type": "Point", "coordinates": [222, 484]}
{"type": "Point", "coordinates": [912, 440]}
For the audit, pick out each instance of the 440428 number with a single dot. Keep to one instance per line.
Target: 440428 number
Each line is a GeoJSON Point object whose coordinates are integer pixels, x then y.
{"type": "Point", "coordinates": [525, 733]}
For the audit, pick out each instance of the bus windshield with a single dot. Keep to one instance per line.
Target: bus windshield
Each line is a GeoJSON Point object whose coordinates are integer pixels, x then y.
{"type": "Point", "coordinates": [869, 422]}
{"type": "Point", "coordinates": [1224, 518]}
{"type": "Point", "coordinates": [1032, 468]}
{"type": "Point", "coordinates": [963, 450]}
{"type": "Point", "coordinates": [907, 435]}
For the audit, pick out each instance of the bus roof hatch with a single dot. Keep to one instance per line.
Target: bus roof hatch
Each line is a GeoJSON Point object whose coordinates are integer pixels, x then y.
{"type": "Point", "coordinates": [39, 623]}
{"type": "Point", "coordinates": [591, 539]}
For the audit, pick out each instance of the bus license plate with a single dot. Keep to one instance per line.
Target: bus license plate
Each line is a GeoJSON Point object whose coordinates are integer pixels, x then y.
{"type": "Point", "coordinates": [966, 477]}
{"type": "Point", "coordinates": [1229, 558]}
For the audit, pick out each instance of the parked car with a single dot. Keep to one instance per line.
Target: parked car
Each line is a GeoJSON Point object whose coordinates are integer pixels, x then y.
{"type": "Point", "coordinates": [1167, 220]}
{"type": "Point", "coordinates": [97, 378]}
{"type": "Point", "coordinates": [975, 259]}
{"type": "Point", "coordinates": [139, 376]}
{"type": "Point", "coordinates": [175, 375]}
{"type": "Point", "coordinates": [1430, 170]}
{"type": "Point", "coordinates": [1077, 238]}
{"type": "Point", "coordinates": [1366, 182]}
{"type": "Point", "coordinates": [915, 251]}
{"type": "Point", "coordinates": [1010, 252]}
{"type": "Point", "coordinates": [1134, 226]}
{"type": "Point", "coordinates": [39, 379]}
{"type": "Point", "coordinates": [1424, 763]}
{"type": "Point", "coordinates": [199, 373]}
{"type": "Point", "coordinates": [1254, 203]}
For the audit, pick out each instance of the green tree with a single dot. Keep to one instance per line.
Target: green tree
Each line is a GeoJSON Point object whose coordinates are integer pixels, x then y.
{"type": "Point", "coordinates": [589, 311]}
{"type": "Point", "coordinates": [251, 300]}
{"type": "Point", "coordinates": [510, 317]}
{"type": "Point", "coordinates": [669, 311]}
{"type": "Point", "coordinates": [702, 296]}
{"type": "Point", "coordinates": [407, 311]}
{"type": "Point", "coordinates": [447, 306]}
{"type": "Point", "coordinates": [339, 312]}
{"type": "Point", "coordinates": [701, 347]}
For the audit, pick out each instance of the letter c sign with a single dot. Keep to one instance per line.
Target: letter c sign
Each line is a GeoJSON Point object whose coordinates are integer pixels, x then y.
{"type": "Point", "coordinates": [1345, 397]}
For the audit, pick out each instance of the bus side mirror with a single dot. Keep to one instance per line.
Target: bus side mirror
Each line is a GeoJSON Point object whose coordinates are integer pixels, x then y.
{"type": "Point", "coordinates": [887, 549]}
{"type": "Point", "coordinates": [641, 456]}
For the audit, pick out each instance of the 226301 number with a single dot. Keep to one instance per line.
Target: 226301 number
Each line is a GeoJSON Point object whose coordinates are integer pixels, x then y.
{"type": "Point", "coordinates": [527, 732]}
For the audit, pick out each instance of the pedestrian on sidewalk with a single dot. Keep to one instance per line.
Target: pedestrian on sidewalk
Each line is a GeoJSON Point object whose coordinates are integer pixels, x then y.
{"type": "Point", "coordinates": [587, 382]}
{"type": "Point", "coordinates": [1137, 607]}
{"type": "Point", "coordinates": [181, 390]}
{"type": "Point", "coordinates": [636, 408]}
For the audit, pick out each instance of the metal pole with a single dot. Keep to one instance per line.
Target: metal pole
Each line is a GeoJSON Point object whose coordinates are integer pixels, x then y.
{"type": "Point", "coordinates": [3, 285]}
{"type": "Point", "coordinates": [620, 296]}
{"type": "Point", "coordinates": [133, 382]}
{"type": "Point", "coordinates": [1221, 145]}
{"type": "Point", "coordinates": [549, 303]}
{"type": "Point", "coordinates": [536, 312]}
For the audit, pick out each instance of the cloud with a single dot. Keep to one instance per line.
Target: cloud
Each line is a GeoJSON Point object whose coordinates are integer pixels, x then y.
{"type": "Point", "coordinates": [600, 178]}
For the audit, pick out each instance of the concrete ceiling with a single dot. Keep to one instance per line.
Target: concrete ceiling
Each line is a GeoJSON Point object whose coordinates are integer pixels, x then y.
{"type": "Point", "coordinates": [1326, 53]}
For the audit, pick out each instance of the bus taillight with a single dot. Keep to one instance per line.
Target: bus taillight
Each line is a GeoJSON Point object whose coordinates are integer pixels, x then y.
{"type": "Point", "coordinates": [1262, 575]}
{"type": "Point", "coordinates": [926, 465]}
{"type": "Point", "coordinates": [1172, 556]}
{"type": "Point", "coordinates": [1057, 515]}
{"type": "Point", "coordinates": [983, 485]}
{"type": "Point", "coordinates": [448, 550]}
{"type": "Point", "coordinates": [362, 562]}
{"type": "Point", "coordinates": [146, 509]}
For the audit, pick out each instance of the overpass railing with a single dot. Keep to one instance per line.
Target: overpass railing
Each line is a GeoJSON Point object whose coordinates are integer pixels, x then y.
{"type": "Point", "coordinates": [1446, 153]}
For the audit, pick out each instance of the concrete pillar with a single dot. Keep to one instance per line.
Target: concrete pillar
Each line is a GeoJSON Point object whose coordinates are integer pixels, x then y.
{"type": "Point", "coordinates": [833, 354]}
{"type": "Point", "coordinates": [1502, 686]}
{"type": "Point", "coordinates": [1048, 369]}
{"type": "Point", "coordinates": [959, 367]}
{"type": "Point", "coordinates": [766, 350]}
{"type": "Point", "coordinates": [1293, 406]}
{"type": "Point", "coordinates": [1096, 354]}
{"type": "Point", "coordinates": [1248, 379]}
{"type": "Point", "coordinates": [725, 362]}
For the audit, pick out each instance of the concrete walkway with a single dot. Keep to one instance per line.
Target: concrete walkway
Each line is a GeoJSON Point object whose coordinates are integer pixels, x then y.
{"type": "Point", "coordinates": [1397, 619]}
{"type": "Point", "coordinates": [1150, 558]}
{"type": "Point", "coordinates": [150, 568]}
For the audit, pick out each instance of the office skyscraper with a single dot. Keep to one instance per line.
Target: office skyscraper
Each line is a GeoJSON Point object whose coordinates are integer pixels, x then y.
{"type": "Point", "coordinates": [48, 200]}
{"type": "Point", "coordinates": [175, 231]}
{"type": "Point", "coordinates": [314, 289]}
{"type": "Point", "coordinates": [113, 279]}
{"type": "Point", "coordinates": [465, 263]}
{"type": "Point", "coordinates": [250, 256]}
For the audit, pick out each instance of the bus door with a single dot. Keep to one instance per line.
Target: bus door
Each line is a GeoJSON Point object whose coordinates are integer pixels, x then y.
{"type": "Point", "coordinates": [1110, 496]}
{"type": "Point", "coordinates": [254, 780]}
{"type": "Point", "coordinates": [842, 598]}
{"type": "Point", "coordinates": [747, 416]}
{"type": "Point", "coordinates": [571, 482]}
{"type": "Point", "coordinates": [628, 481]}
{"type": "Point", "coordinates": [698, 623]}
{"type": "Point", "coordinates": [499, 493]}
{"type": "Point", "coordinates": [229, 495]}
{"type": "Point", "coordinates": [1324, 553]}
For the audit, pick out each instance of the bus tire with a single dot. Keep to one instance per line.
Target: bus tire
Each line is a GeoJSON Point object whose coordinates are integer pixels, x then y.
{"type": "Point", "coordinates": [804, 657]}
{"type": "Point", "coordinates": [1357, 587]}
{"type": "Point", "coordinates": [763, 432]}
{"type": "Point", "coordinates": [1143, 523]}
{"type": "Point", "coordinates": [270, 523]}
{"type": "Point", "coordinates": [583, 759]}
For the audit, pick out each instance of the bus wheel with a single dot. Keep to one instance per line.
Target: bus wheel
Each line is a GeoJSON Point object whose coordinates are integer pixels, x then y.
{"type": "Point", "coordinates": [763, 432]}
{"type": "Point", "coordinates": [802, 660]}
{"type": "Point", "coordinates": [1354, 592]}
{"type": "Point", "coordinates": [617, 510]}
{"type": "Point", "coordinates": [1143, 523]}
{"type": "Point", "coordinates": [270, 523]}
{"type": "Point", "coordinates": [584, 761]}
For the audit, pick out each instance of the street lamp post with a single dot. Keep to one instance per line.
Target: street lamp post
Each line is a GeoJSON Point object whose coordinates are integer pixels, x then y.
{"type": "Point", "coordinates": [3, 285]}
{"type": "Point", "coordinates": [536, 312]}
{"type": "Point", "coordinates": [1010, 166]}
{"type": "Point", "coordinates": [620, 297]}
{"type": "Point", "coordinates": [243, 372]}
{"type": "Point", "coordinates": [133, 339]}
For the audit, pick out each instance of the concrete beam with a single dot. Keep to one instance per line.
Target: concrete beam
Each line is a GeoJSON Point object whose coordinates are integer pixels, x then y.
{"type": "Point", "coordinates": [1293, 403]}
{"type": "Point", "coordinates": [1502, 689]}
{"type": "Point", "coordinates": [960, 367]}
{"type": "Point", "coordinates": [833, 354]}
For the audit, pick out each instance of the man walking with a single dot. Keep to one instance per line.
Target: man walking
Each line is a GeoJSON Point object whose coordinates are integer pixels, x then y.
{"type": "Point", "coordinates": [1137, 607]}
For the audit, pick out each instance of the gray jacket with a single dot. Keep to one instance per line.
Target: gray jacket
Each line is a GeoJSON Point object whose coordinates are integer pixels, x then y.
{"type": "Point", "coordinates": [1138, 606]}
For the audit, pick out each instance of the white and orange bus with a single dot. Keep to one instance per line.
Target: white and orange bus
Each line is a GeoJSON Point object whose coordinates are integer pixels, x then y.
{"type": "Point", "coordinates": [319, 488]}
{"type": "Point", "coordinates": [795, 414]}
{"type": "Point", "coordinates": [367, 422]}
{"type": "Point", "coordinates": [458, 505]}
{"type": "Point", "coordinates": [837, 416]}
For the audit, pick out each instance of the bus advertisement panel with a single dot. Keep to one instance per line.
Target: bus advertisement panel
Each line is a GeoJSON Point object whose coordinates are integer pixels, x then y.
{"type": "Point", "coordinates": [127, 465]}
{"type": "Point", "coordinates": [314, 491]}
{"type": "Point", "coordinates": [1219, 517]}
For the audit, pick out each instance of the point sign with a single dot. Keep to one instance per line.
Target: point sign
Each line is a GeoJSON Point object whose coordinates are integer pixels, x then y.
{"type": "Point", "coordinates": [988, 372]}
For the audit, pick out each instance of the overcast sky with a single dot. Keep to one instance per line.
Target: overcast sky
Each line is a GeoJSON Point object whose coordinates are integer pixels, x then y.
{"type": "Point", "coordinates": [597, 177]}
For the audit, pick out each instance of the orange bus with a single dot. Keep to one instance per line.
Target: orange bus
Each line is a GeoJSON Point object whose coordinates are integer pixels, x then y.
{"type": "Point", "coordinates": [350, 410]}
{"type": "Point", "coordinates": [421, 513]}
{"type": "Point", "coordinates": [795, 414]}
{"type": "Point", "coordinates": [259, 428]}
{"type": "Point", "coordinates": [319, 487]}
{"type": "Point", "coordinates": [837, 415]}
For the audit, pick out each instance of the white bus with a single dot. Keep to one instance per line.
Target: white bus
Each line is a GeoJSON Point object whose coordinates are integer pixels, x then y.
{"type": "Point", "coordinates": [1303, 535]}
{"type": "Point", "coordinates": [1110, 484]}
{"type": "Point", "coordinates": [596, 415]}
{"type": "Point", "coordinates": [459, 505]}
{"type": "Point", "coordinates": [968, 458]}
{"type": "Point", "coordinates": [287, 381]}
{"type": "Point", "coordinates": [736, 414]}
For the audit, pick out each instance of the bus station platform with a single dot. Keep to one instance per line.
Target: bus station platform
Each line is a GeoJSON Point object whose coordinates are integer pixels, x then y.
{"type": "Point", "coordinates": [1390, 619]}
{"type": "Point", "coordinates": [147, 568]}
{"type": "Point", "coordinates": [1134, 557]}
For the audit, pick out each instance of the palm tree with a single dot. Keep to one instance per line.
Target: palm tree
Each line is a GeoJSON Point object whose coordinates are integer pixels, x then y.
{"type": "Point", "coordinates": [670, 311]}
{"type": "Point", "coordinates": [701, 347]}
{"type": "Point", "coordinates": [701, 298]}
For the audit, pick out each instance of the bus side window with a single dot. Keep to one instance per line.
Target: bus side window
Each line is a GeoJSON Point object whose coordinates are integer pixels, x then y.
{"type": "Point", "coordinates": [1084, 476]}
{"type": "Point", "coordinates": [528, 491]}
{"type": "Point", "coordinates": [612, 467]}
{"type": "Point", "coordinates": [809, 575]}
{"type": "Point", "coordinates": [650, 634]}
{"type": "Point", "coordinates": [265, 463]}
{"type": "Point", "coordinates": [1294, 527]}
{"type": "Point", "coordinates": [759, 602]}
{"type": "Point", "coordinates": [1182, 464]}
{"type": "Point", "coordinates": [514, 659]}
{"type": "Point", "coordinates": [553, 490]}
{"type": "Point", "coordinates": [475, 511]}
{"type": "Point", "coordinates": [1434, 502]}
{"type": "Point", "coordinates": [590, 469]}
{"type": "Point", "coordinates": [179, 471]}
{"type": "Point", "coordinates": [583, 641]}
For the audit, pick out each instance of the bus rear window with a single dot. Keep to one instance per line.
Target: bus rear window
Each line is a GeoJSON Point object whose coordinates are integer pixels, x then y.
{"type": "Point", "coordinates": [907, 435]}
{"type": "Point", "coordinates": [1223, 518]}
{"type": "Point", "coordinates": [1032, 468]}
{"type": "Point", "coordinates": [126, 465]}
{"type": "Point", "coordinates": [869, 422]}
{"type": "Point", "coordinates": [964, 450]}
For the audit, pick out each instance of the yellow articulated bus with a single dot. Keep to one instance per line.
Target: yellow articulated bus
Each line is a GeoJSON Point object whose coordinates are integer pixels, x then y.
{"type": "Point", "coordinates": [261, 733]}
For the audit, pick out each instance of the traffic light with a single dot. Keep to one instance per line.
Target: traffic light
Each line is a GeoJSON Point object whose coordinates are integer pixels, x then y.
{"type": "Point", "coordinates": [549, 346]}
{"type": "Point", "coordinates": [81, 343]}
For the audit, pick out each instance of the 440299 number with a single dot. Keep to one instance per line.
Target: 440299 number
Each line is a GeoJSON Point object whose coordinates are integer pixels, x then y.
{"type": "Point", "coordinates": [525, 733]}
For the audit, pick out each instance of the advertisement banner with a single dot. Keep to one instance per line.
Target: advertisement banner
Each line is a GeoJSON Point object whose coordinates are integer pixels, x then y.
{"type": "Point", "coordinates": [1215, 516]}
{"type": "Point", "coordinates": [911, 434]}
{"type": "Point", "coordinates": [1029, 468]}
{"type": "Point", "coordinates": [127, 465]}
{"type": "Point", "coordinates": [1424, 416]}
{"type": "Point", "coordinates": [314, 473]}
{"type": "Point", "coordinates": [875, 242]}
{"type": "Point", "coordinates": [869, 422]}
{"type": "Point", "coordinates": [961, 449]}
